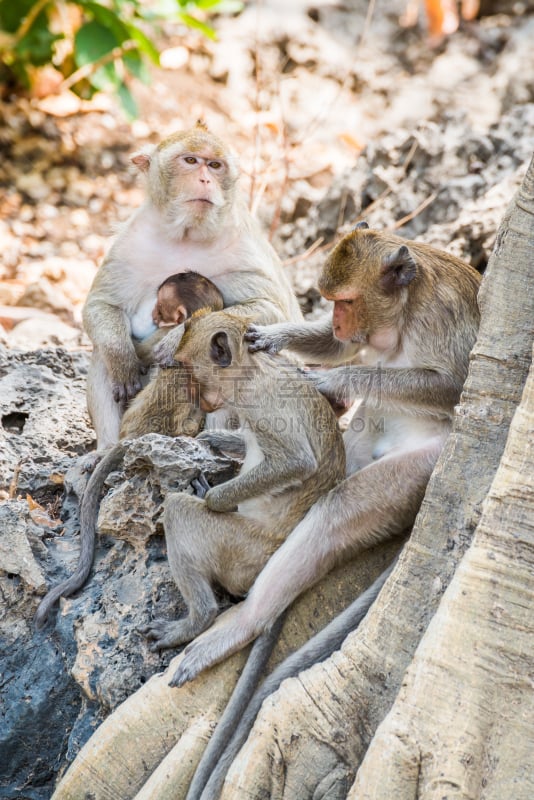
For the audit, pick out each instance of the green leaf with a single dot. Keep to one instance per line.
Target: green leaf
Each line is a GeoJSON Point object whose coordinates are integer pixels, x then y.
{"type": "Point", "coordinates": [106, 78]}
{"type": "Point", "coordinates": [37, 46]}
{"type": "Point", "coordinates": [145, 44]}
{"type": "Point", "coordinates": [193, 22]}
{"type": "Point", "coordinates": [12, 13]}
{"type": "Point", "coordinates": [127, 101]}
{"type": "Point", "coordinates": [135, 64]}
{"type": "Point", "coordinates": [92, 41]}
{"type": "Point", "coordinates": [108, 19]}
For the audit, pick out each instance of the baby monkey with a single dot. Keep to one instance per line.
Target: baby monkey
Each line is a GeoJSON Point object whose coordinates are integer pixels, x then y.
{"type": "Point", "coordinates": [178, 297]}
{"type": "Point", "coordinates": [168, 405]}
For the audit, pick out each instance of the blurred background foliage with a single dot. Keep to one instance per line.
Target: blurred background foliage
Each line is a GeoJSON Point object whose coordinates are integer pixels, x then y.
{"type": "Point", "coordinates": [47, 46]}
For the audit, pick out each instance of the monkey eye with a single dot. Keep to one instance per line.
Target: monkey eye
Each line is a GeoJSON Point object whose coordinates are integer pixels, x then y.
{"type": "Point", "coordinates": [190, 159]}
{"type": "Point", "coordinates": [215, 165]}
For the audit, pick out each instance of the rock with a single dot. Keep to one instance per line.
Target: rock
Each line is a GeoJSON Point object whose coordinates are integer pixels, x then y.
{"type": "Point", "coordinates": [59, 683]}
{"type": "Point", "coordinates": [44, 295]}
{"type": "Point", "coordinates": [16, 555]}
{"type": "Point", "coordinates": [43, 419]}
{"type": "Point", "coordinates": [42, 331]}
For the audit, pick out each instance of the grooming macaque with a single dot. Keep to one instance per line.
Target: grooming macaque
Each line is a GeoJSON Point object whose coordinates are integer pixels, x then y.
{"type": "Point", "coordinates": [167, 404]}
{"type": "Point", "coordinates": [293, 454]}
{"type": "Point", "coordinates": [192, 217]}
{"type": "Point", "coordinates": [409, 315]}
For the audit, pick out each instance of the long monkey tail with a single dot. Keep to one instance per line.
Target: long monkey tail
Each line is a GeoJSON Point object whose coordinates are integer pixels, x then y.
{"type": "Point", "coordinates": [88, 519]}
{"type": "Point", "coordinates": [236, 707]}
{"type": "Point", "coordinates": [216, 761]}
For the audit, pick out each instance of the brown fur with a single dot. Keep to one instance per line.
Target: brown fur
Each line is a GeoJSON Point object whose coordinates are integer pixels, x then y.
{"type": "Point", "coordinates": [294, 454]}
{"type": "Point", "coordinates": [407, 318]}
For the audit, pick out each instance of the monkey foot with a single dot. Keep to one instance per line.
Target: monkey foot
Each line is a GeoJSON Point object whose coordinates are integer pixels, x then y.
{"type": "Point", "coordinates": [200, 485]}
{"type": "Point", "coordinates": [89, 461]}
{"type": "Point", "coordinates": [191, 665]}
{"type": "Point", "coordinates": [206, 651]}
{"type": "Point", "coordinates": [166, 633]}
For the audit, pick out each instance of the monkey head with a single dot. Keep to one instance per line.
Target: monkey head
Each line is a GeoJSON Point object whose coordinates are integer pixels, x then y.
{"type": "Point", "coordinates": [213, 350]}
{"type": "Point", "coordinates": [191, 177]}
{"type": "Point", "coordinates": [368, 277]}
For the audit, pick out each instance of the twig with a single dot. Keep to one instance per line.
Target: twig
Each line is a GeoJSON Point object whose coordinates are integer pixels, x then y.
{"type": "Point", "coordinates": [89, 69]}
{"type": "Point", "coordinates": [414, 213]}
{"type": "Point", "coordinates": [307, 253]}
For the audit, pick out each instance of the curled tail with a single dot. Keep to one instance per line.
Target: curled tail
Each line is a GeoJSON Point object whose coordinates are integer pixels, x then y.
{"type": "Point", "coordinates": [317, 649]}
{"type": "Point", "coordinates": [88, 519]}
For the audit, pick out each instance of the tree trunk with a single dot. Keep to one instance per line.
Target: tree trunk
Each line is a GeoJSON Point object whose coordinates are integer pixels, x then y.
{"type": "Point", "coordinates": [463, 723]}
{"type": "Point", "coordinates": [150, 746]}
{"type": "Point", "coordinates": [311, 736]}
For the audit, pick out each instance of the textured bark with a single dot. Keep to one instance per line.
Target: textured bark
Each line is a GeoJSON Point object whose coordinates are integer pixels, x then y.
{"type": "Point", "coordinates": [463, 723]}
{"type": "Point", "coordinates": [311, 736]}
{"type": "Point", "coordinates": [151, 744]}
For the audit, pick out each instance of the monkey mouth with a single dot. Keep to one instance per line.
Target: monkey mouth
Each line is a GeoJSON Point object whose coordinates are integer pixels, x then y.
{"type": "Point", "coordinates": [201, 200]}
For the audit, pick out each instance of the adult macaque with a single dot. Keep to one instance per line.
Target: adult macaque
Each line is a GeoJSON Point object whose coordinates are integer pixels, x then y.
{"type": "Point", "coordinates": [410, 315]}
{"type": "Point", "coordinates": [293, 454]}
{"type": "Point", "coordinates": [168, 405]}
{"type": "Point", "coordinates": [192, 217]}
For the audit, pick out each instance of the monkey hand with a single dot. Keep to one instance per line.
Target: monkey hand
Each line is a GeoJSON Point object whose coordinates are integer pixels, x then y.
{"type": "Point", "coordinates": [267, 338]}
{"type": "Point", "coordinates": [220, 499]}
{"type": "Point", "coordinates": [165, 350]}
{"type": "Point", "coordinates": [126, 378]}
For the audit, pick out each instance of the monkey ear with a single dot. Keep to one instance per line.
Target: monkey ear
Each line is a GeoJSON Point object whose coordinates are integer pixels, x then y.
{"type": "Point", "coordinates": [398, 270]}
{"type": "Point", "coordinates": [220, 352]}
{"type": "Point", "coordinates": [141, 161]}
{"type": "Point", "coordinates": [359, 225]}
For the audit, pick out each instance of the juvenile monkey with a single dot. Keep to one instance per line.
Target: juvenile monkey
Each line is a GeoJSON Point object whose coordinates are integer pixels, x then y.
{"type": "Point", "coordinates": [293, 454]}
{"type": "Point", "coordinates": [192, 215]}
{"type": "Point", "coordinates": [409, 314]}
{"type": "Point", "coordinates": [168, 405]}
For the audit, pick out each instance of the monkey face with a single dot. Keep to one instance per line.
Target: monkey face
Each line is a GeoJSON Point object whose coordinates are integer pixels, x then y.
{"type": "Point", "coordinates": [191, 180]}
{"type": "Point", "coordinates": [349, 321]}
{"type": "Point", "coordinates": [368, 278]}
{"type": "Point", "coordinates": [169, 310]}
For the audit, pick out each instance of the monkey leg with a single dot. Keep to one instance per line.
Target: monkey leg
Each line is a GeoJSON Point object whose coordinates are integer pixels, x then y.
{"type": "Point", "coordinates": [205, 547]}
{"type": "Point", "coordinates": [104, 411]}
{"type": "Point", "coordinates": [374, 504]}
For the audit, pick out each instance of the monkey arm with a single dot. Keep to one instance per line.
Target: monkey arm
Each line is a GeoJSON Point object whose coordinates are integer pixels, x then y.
{"type": "Point", "coordinates": [108, 327]}
{"type": "Point", "coordinates": [314, 341]}
{"type": "Point", "coordinates": [411, 388]}
{"type": "Point", "coordinates": [145, 347]}
{"type": "Point", "coordinates": [275, 472]}
{"type": "Point", "coordinates": [251, 294]}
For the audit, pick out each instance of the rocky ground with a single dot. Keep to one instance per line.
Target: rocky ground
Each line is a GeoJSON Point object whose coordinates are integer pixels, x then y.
{"type": "Point", "coordinates": [334, 119]}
